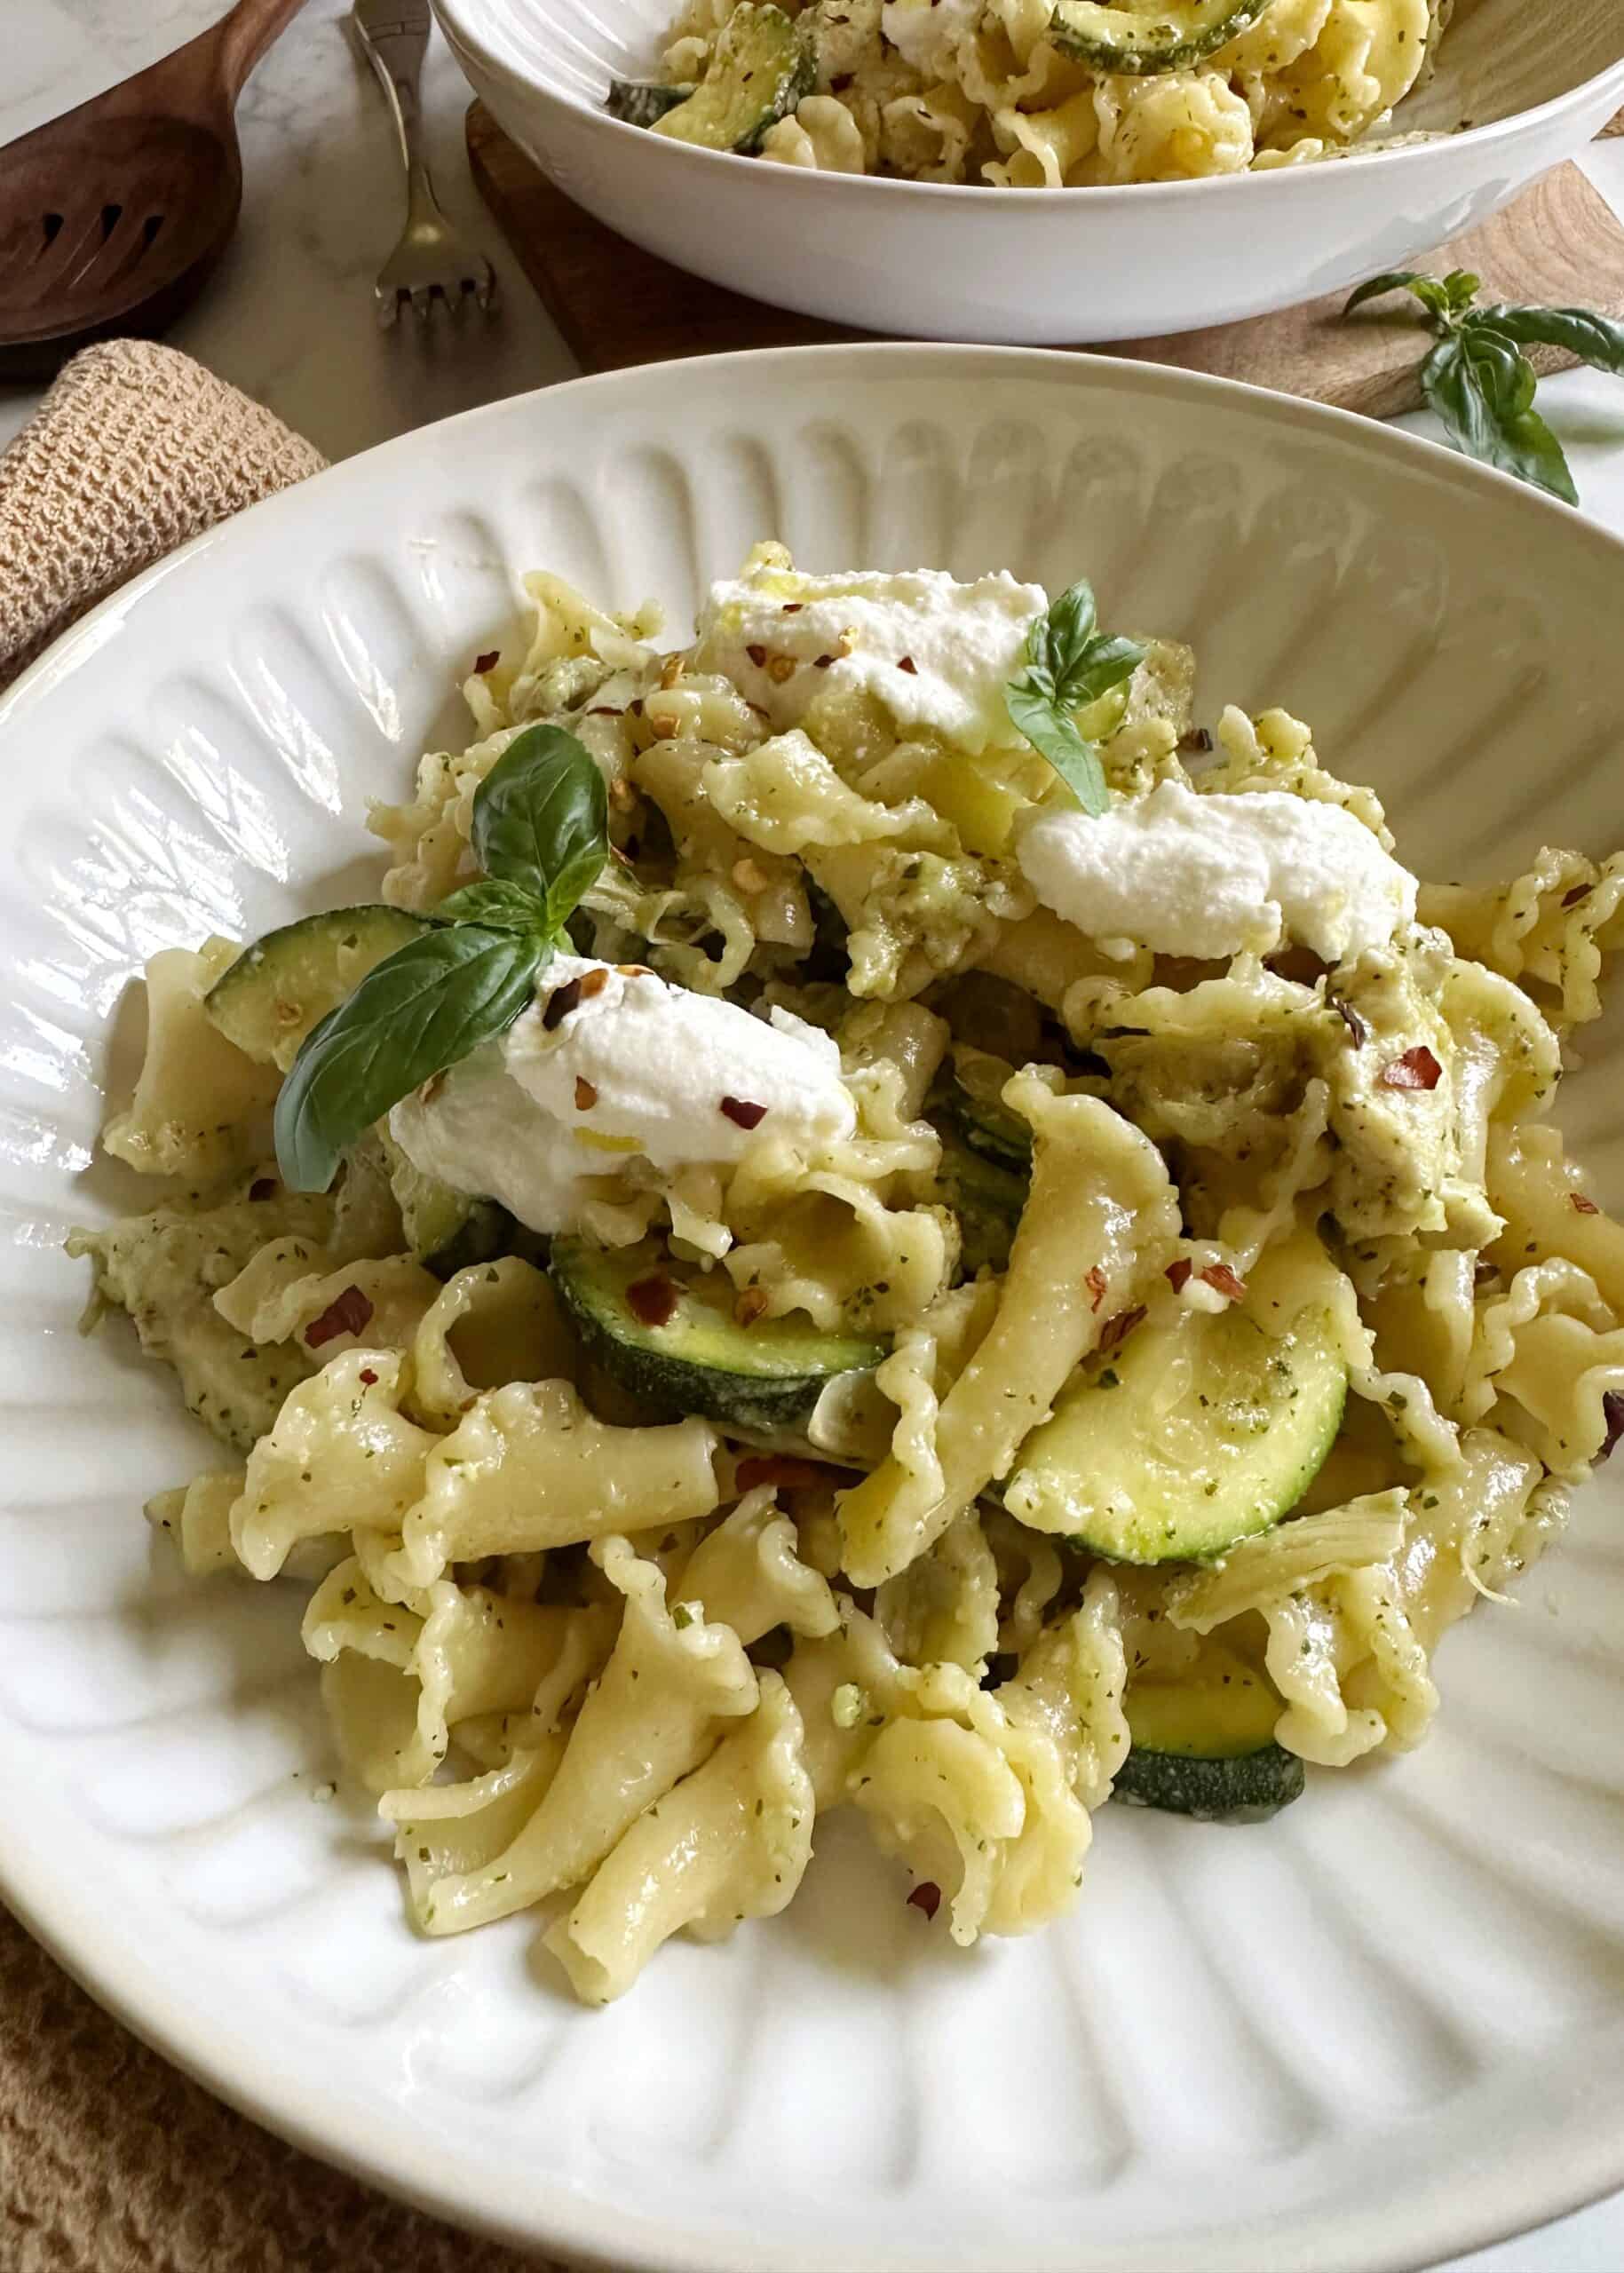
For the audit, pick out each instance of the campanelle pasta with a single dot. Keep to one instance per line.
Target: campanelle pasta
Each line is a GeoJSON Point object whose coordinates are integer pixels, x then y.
{"type": "Point", "coordinates": [1118, 1384]}
{"type": "Point", "coordinates": [1037, 94]}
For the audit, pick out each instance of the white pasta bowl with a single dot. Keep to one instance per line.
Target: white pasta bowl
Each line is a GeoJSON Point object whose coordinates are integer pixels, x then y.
{"type": "Point", "coordinates": [1039, 266]}
{"type": "Point", "coordinates": [1388, 2027]}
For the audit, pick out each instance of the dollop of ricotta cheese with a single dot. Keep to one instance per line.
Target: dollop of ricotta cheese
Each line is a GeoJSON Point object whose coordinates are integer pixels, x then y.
{"type": "Point", "coordinates": [610, 1063]}
{"type": "Point", "coordinates": [925, 32]}
{"type": "Point", "coordinates": [937, 653]}
{"type": "Point", "coordinates": [1219, 874]}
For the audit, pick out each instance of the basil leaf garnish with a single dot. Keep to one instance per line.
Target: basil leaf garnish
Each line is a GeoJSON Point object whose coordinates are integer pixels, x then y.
{"type": "Point", "coordinates": [541, 819]}
{"type": "Point", "coordinates": [1069, 665]}
{"type": "Point", "coordinates": [541, 832]}
{"type": "Point", "coordinates": [1480, 382]}
{"type": "Point", "coordinates": [417, 1012]}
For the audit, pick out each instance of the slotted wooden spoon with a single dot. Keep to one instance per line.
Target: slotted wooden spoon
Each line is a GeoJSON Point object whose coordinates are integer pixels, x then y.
{"type": "Point", "coordinates": [112, 215]}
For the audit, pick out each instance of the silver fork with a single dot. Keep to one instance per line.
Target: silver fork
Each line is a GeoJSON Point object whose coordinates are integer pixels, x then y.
{"type": "Point", "coordinates": [431, 261]}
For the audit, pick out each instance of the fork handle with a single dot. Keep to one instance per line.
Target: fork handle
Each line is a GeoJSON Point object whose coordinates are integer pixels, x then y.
{"type": "Point", "coordinates": [393, 36]}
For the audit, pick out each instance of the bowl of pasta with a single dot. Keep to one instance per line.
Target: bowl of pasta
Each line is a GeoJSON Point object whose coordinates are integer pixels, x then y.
{"type": "Point", "coordinates": [1174, 165]}
{"type": "Point", "coordinates": [821, 1328]}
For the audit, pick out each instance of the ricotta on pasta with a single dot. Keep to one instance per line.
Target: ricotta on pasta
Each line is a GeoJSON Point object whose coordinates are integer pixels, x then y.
{"type": "Point", "coordinates": [1206, 876]}
{"type": "Point", "coordinates": [937, 653]}
{"type": "Point", "coordinates": [608, 1062]}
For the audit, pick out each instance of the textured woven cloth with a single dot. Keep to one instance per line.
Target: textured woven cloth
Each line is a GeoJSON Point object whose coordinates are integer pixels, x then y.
{"type": "Point", "coordinates": [134, 450]}
{"type": "Point", "coordinates": [110, 2161]}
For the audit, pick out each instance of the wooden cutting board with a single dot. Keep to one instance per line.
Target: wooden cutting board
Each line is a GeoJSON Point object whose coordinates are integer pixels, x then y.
{"type": "Point", "coordinates": [616, 305]}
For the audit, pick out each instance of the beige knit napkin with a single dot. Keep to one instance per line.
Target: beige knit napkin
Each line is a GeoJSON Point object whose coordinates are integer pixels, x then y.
{"type": "Point", "coordinates": [110, 2161]}
{"type": "Point", "coordinates": [135, 448]}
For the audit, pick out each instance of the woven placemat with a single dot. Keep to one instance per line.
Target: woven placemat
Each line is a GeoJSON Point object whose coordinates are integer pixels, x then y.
{"type": "Point", "coordinates": [110, 2160]}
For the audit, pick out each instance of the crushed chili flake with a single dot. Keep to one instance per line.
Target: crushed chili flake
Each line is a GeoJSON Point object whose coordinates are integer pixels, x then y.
{"type": "Point", "coordinates": [586, 1096]}
{"type": "Point", "coordinates": [1358, 1032]}
{"type": "Point", "coordinates": [347, 1314]}
{"type": "Point", "coordinates": [487, 661]}
{"type": "Point", "coordinates": [263, 1187]}
{"type": "Point", "coordinates": [927, 1896]}
{"type": "Point", "coordinates": [780, 670]}
{"type": "Point", "coordinates": [907, 664]}
{"type": "Point", "coordinates": [751, 1305]}
{"type": "Point", "coordinates": [1222, 1280]}
{"type": "Point", "coordinates": [1583, 1205]}
{"type": "Point", "coordinates": [1177, 1272]}
{"type": "Point", "coordinates": [592, 982]}
{"type": "Point", "coordinates": [742, 1113]}
{"type": "Point", "coordinates": [634, 970]}
{"type": "Point", "coordinates": [560, 1002]}
{"type": "Point", "coordinates": [794, 607]}
{"type": "Point", "coordinates": [783, 1471]}
{"type": "Point", "coordinates": [652, 1301]}
{"type": "Point", "coordinates": [1417, 1069]}
{"type": "Point", "coordinates": [758, 655]}
{"type": "Point", "coordinates": [1612, 1413]}
{"type": "Point", "coordinates": [1096, 1284]}
{"type": "Point", "coordinates": [367, 1375]}
{"type": "Point", "coordinates": [822, 662]}
{"type": "Point", "coordinates": [1580, 891]}
{"type": "Point", "coordinates": [605, 710]}
{"type": "Point", "coordinates": [1117, 1329]}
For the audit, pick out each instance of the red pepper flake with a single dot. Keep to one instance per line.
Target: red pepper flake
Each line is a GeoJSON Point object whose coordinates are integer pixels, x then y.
{"type": "Point", "coordinates": [592, 982]}
{"type": "Point", "coordinates": [783, 1471]}
{"type": "Point", "coordinates": [346, 1314]}
{"type": "Point", "coordinates": [794, 607]}
{"type": "Point", "coordinates": [1612, 1413]}
{"type": "Point", "coordinates": [1096, 1284]}
{"type": "Point", "coordinates": [634, 970]}
{"type": "Point", "coordinates": [751, 1305]}
{"type": "Point", "coordinates": [367, 1375]}
{"type": "Point", "coordinates": [907, 664]}
{"type": "Point", "coordinates": [1417, 1069]}
{"type": "Point", "coordinates": [1358, 1032]}
{"type": "Point", "coordinates": [586, 1096]}
{"type": "Point", "coordinates": [758, 655]}
{"type": "Point", "coordinates": [605, 710]}
{"type": "Point", "coordinates": [1580, 891]}
{"type": "Point", "coordinates": [742, 1113]}
{"type": "Point", "coordinates": [652, 1301]}
{"type": "Point", "coordinates": [263, 1187]}
{"type": "Point", "coordinates": [1222, 1280]}
{"type": "Point", "coordinates": [1117, 1329]}
{"type": "Point", "coordinates": [1583, 1205]}
{"type": "Point", "coordinates": [821, 663]}
{"type": "Point", "coordinates": [927, 1896]}
{"type": "Point", "coordinates": [1177, 1272]}
{"type": "Point", "coordinates": [560, 1002]}
{"type": "Point", "coordinates": [487, 661]}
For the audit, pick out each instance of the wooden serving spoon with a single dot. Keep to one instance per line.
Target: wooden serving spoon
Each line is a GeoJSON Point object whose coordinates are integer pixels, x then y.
{"type": "Point", "coordinates": [113, 216]}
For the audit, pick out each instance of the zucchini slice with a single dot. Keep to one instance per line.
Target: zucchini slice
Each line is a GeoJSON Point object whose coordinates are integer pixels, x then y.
{"type": "Point", "coordinates": [986, 1197]}
{"type": "Point", "coordinates": [1142, 41]}
{"type": "Point", "coordinates": [269, 999]}
{"type": "Point", "coordinates": [698, 1357]}
{"type": "Point", "coordinates": [447, 1230]}
{"type": "Point", "coordinates": [1189, 1437]}
{"type": "Point", "coordinates": [641, 101]}
{"type": "Point", "coordinates": [1204, 1746]}
{"type": "Point", "coordinates": [970, 1102]}
{"type": "Point", "coordinates": [762, 65]}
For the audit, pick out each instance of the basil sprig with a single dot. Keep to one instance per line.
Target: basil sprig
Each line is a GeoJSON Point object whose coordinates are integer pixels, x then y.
{"type": "Point", "coordinates": [1069, 665]}
{"type": "Point", "coordinates": [1478, 380]}
{"type": "Point", "coordinates": [541, 833]}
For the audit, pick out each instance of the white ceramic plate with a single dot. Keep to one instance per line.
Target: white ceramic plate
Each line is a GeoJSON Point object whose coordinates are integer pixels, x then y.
{"type": "Point", "coordinates": [1386, 2027]}
{"type": "Point", "coordinates": [1040, 266]}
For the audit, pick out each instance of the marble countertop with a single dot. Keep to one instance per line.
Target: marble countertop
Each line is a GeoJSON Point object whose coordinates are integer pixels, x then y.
{"type": "Point", "coordinates": [289, 319]}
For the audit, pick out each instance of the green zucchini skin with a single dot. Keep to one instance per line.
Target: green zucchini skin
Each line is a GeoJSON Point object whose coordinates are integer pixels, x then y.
{"type": "Point", "coordinates": [763, 63]}
{"type": "Point", "coordinates": [986, 1196]}
{"type": "Point", "coordinates": [640, 102]}
{"type": "Point", "coordinates": [985, 1125]}
{"type": "Point", "coordinates": [1248, 1789]}
{"type": "Point", "coordinates": [759, 1378]}
{"type": "Point", "coordinates": [1175, 36]}
{"type": "Point", "coordinates": [287, 982]}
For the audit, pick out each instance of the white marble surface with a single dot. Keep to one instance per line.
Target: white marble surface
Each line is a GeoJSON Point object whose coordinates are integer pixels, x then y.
{"type": "Point", "coordinates": [289, 318]}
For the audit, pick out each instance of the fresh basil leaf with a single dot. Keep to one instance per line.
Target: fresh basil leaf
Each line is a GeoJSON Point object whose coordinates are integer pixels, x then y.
{"type": "Point", "coordinates": [1460, 289]}
{"type": "Point", "coordinates": [1106, 664]}
{"type": "Point", "coordinates": [1432, 294]}
{"type": "Point", "coordinates": [1052, 731]}
{"type": "Point", "coordinates": [1482, 387]}
{"type": "Point", "coordinates": [1596, 340]}
{"type": "Point", "coordinates": [541, 820]}
{"type": "Point", "coordinates": [1058, 639]}
{"type": "Point", "coordinates": [416, 1013]}
{"type": "Point", "coordinates": [498, 907]}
